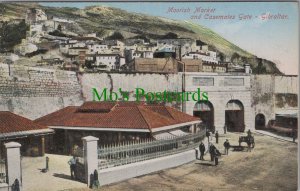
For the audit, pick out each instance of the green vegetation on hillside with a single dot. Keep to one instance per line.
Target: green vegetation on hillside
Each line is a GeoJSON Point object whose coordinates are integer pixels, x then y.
{"type": "Point", "coordinates": [11, 35]}
{"type": "Point", "coordinates": [116, 36]}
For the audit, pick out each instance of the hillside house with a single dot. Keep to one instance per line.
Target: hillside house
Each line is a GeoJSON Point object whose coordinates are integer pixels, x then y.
{"type": "Point", "coordinates": [35, 15]}
{"type": "Point", "coordinates": [159, 65]}
{"type": "Point", "coordinates": [94, 48]}
{"type": "Point", "coordinates": [214, 67]}
{"type": "Point", "coordinates": [133, 53]}
{"type": "Point", "coordinates": [209, 56]}
{"type": "Point", "coordinates": [109, 62]}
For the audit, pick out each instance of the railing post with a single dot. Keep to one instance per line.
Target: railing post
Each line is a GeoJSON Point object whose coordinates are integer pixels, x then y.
{"type": "Point", "coordinates": [13, 162]}
{"type": "Point", "coordinates": [90, 145]}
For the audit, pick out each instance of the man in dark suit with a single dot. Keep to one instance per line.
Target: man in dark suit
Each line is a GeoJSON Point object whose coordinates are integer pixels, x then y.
{"type": "Point", "coordinates": [217, 137]}
{"type": "Point", "coordinates": [202, 150]}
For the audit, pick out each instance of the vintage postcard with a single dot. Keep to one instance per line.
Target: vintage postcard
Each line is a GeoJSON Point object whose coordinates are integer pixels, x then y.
{"type": "Point", "coordinates": [158, 96]}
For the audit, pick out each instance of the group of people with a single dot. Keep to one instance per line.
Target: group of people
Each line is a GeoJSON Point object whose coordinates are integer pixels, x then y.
{"type": "Point", "coordinates": [213, 151]}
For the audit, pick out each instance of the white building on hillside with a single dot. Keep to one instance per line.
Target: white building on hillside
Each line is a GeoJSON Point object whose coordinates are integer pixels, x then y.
{"type": "Point", "coordinates": [95, 48]}
{"type": "Point", "coordinates": [35, 15]}
{"type": "Point", "coordinates": [209, 56]}
{"type": "Point", "coordinates": [109, 61]}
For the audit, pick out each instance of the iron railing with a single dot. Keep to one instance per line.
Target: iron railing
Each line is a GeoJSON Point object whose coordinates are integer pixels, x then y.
{"type": "Point", "coordinates": [3, 178]}
{"type": "Point", "coordinates": [131, 152]}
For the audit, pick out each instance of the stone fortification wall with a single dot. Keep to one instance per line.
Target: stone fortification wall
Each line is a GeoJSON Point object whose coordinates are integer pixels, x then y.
{"type": "Point", "coordinates": [34, 92]}
{"type": "Point", "coordinates": [274, 94]}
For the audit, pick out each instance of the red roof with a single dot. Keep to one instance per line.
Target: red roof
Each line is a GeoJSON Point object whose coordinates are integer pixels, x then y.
{"type": "Point", "coordinates": [128, 115]}
{"type": "Point", "coordinates": [10, 122]}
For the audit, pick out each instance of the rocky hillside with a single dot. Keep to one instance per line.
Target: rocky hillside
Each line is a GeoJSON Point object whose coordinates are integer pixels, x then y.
{"type": "Point", "coordinates": [106, 20]}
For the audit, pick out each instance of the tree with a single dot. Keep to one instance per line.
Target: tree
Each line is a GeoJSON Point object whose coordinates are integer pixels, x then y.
{"type": "Point", "coordinates": [116, 36]}
{"type": "Point", "coordinates": [12, 34]}
{"type": "Point", "coordinates": [260, 68]}
{"type": "Point", "coordinates": [235, 56]}
{"type": "Point", "coordinates": [221, 56]}
{"type": "Point", "coordinates": [170, 35]}
{"type": "Point", "coordinates": [89, 64]}
{"type": "Point", "coordinates": [59, 28]}
{"type": "Point", "coordinates": [57, 33]}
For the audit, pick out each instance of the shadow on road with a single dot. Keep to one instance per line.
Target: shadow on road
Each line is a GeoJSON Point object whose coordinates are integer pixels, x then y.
{"type": "Point", "coordinates": [205, 164]}
{"type": "Point", "coordinates": [64, 176]}
{"type": "Point", "coordinates": [237, 148]}
{"type": "Point", "coordinates": [67, 177]}
{"type": "Point", "coordinates": [43, 170]}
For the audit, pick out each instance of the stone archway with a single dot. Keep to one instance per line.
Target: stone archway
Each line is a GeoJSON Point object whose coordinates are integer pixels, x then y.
{"type": "Point", "coordinates": [205, 110]}
{"type": "Point", "coordinates": [234, 116]}
{"type": "Point", "coordinates": [260, 121]}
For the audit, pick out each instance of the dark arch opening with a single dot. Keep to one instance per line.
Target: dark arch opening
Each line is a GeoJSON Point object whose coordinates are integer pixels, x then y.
{"type": "Point", "coordinates": [234, 116]}
{"type": "Point", "coordinates": [205, 111]}
{"type": "Point", "coordinates": [260, 121]}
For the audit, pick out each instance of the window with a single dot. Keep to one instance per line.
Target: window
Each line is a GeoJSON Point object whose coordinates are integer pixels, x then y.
{"type": "Point", "coordinates": [233, 81]}
{"type": "Point", "coordinates": [203, 81]}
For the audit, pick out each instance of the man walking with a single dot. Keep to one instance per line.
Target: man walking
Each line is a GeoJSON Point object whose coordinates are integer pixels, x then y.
{"type": "Point", "coordinates": [202, 150]}
{"type": "Point", "coordinates": [249, 133]}
{"type": "Point", "coordinates": [207, 134]}
{"type": "Point", "coordinates": [72, 163]}
{"type": "Point", "coordinates": [294, 134]}
{"type": "Point", "coordinates": [226, 146]}
{"type": "Point", "coordinates": [211, 151]}
{"type": "Point", "coordinates": [217, 137]}
{"type": "Point", "coordinates": [225, 129]}
{"type": "Point", "coordinates": [216, 156]}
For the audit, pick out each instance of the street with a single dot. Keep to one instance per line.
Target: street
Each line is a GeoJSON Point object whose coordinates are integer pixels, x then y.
{"type": "Point", "coordinates": [271, 166]}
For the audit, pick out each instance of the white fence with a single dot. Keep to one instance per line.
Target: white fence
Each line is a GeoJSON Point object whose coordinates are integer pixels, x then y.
{"type": "Point", "coordinates": [131, 152]}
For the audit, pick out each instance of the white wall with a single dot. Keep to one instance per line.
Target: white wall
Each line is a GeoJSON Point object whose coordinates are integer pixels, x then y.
{"type": "Point", "coordinates": [220, 93]}
{"type": "Point", "coordinates": [120, 173]}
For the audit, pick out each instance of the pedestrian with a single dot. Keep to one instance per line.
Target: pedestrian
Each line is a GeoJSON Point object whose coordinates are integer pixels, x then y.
{"type": "Point", "coordinates": [207, 134]}
{"type": "Point", "coordinates": [249, 133]}
{"type": "Point", "coordinates": [72, 163]}
{"type": "Point", "coordinates": [225, 129]}
{"type": "Point", "coordinates": [47, 163]}
{"type": "Point", "coordinates": [294, 134]}
{"type": "Point", "coordinates": [249, 145]}
{"type": "Point", "coordinates": [226, 146]}
{"type": "Point", "coordinates": [202, 150]}
{"type": "Point", "coordinates": [216, 156]}
{"type": "Point", "coordinates": [217, 137]}
{"type": "Point", "coordinates": [211, 151]}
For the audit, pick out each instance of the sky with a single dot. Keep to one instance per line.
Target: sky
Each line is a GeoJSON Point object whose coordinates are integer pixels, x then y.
{"type": "Point", "coordinates": [274, 39]}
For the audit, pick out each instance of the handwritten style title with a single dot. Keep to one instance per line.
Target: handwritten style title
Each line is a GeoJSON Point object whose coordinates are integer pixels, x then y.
{"type": "Point", "coordinates": [208, 13]}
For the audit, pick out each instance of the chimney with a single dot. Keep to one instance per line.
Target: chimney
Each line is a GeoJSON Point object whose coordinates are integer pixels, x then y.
{"type": "Point", "coordinates": [247, 68]}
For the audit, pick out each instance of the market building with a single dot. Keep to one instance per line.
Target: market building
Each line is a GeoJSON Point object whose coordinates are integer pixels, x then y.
{"type": "Point", "coordinates": [115, 122]}
{"type": "Point", "coordinates": [32, 136]}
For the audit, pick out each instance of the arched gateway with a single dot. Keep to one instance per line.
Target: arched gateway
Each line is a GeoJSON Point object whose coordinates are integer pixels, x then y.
{"type": "Point", "coordinates": [234, 116]}
{"type": "Point", "coordinates": [205, 110]}
{"type": "Point", "coordinates": [260, 121]}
